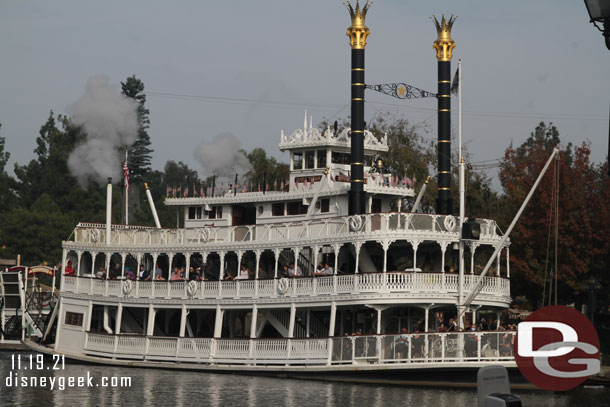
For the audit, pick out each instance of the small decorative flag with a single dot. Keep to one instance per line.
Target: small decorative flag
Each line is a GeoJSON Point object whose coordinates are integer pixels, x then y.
{"type": "Point", "coordinates": [126, 174]}
{"type": "Point", "coordinates": [168, 190]}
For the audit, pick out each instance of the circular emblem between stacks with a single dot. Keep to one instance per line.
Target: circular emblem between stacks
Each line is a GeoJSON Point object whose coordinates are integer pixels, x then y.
{"type": "Point", "coordinates": [127, 287]}
{"type": "Point", "coordinates": [356, 223]}
{"type": "Point", "coordinates": [282, 285]}
{"type": "Point", "coordinates": [450, 223]}
{"type": "Point", "coordinates": [191, 288]}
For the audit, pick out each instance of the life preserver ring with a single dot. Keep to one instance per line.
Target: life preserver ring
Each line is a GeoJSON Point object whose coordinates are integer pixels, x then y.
{"type": "Point", "coordinates": [204, 235]}
{"type": "Point", "coordinates": [282, 286]}
{"type": "Point", "coordinates": [127, 287]}
{"type": "Point", "coordinates": [191, 288]}
{"type": "Point", "coordinates": [94, 235]}
{"type": "Point", "coordinates": [355, 223]}
{"type": "Point", "coordinates": [449, 223]}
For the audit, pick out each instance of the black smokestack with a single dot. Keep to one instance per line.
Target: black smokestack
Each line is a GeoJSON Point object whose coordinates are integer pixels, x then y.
{"type": "Point", "coordinates": [444, 46]}
{"type": "Point", "coordinates": [357, 33]}
{"type": "Point", "coordinates": [444, 202]}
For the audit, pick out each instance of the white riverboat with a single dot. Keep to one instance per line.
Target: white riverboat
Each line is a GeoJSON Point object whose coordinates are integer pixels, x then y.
{"type": "Point", "coordinates": [366, 292]}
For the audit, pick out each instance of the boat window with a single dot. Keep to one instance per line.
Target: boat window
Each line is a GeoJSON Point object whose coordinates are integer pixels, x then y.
{"type": "Point", "coordinates": [321, 158]}
{"type": "Point", "coordinates": [195, 212]}
{"type": "Point", "coordinates": [277, 209]}
{"type": "Point", "coordinates": [294, 208]}
{"type": "Point", "coordinates": [324, 205]}
{"type": "Point", "coordinates": [309, 159]}
{"type": "Point", "coordinates": [297, 160]}
{"type": "Point", "coordinates": [341, 158]}
{"type": "Point", "coordinates": [73, 318]}
{"type": "Point", "coordinates": [216, 212]}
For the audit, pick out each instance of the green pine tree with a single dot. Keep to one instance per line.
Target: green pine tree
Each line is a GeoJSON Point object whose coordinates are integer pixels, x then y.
{"type": "Point", "coordinates": [140, 151]}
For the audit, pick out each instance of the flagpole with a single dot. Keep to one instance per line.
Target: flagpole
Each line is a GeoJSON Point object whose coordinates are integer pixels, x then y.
{"type": "Point", "coordinates": [462, 200]}
{"type": "Point", "coordinates": [126, 191]}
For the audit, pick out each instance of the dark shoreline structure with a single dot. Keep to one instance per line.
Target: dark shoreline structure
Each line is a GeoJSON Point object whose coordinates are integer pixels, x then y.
{"type": "Point", "coordinates": [444, 46]}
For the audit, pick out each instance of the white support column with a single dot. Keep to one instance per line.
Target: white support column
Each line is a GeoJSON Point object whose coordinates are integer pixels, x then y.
{"type": "Point", "coordinates": [337, 248]}
{"type": "Point", "coordinates": [107, 262]}
{"type": "Point", "coordinates": [93, 257]}
{"type": "Point", "coordinates": [507, 262]}
{"type": "Point", "coordinates": [64, 259]}
{"type": "Point", "coordinates": [498, 263]}
{"type": "Point", "coordinates": [150, 326]}
{"type": "Point", "coordinates": [443, 251]}
{"type": "Point", "coordinates": [357, 246]}
{"type": "Point", "coordinates": [379, 311]}
{"type": "Point", "coordinates": [258, 264]}
{"type": "Point", "coordinates": [308, 322]}
{"type": "Point", "coordinates": [333, 316]}
{"type": "Point", "coordinates": [293, 313]}
{"type": "Point", "coordinates": [218, 322]}
{"type": "Point", "coordinates": [183, 316]}
{"type": "Point", "coordinates": [426, 312]}
{"type": "Point", "coordinates": [123, 256]}
{"type": "Point", "coordinates": [79, 255]}
{"type": "Point", "coordinates": [386, 247]}
{"type": "Point", "coordinates": [222, 266]}
{"type": "Point", "coordinates": [119, 317]}
{"type": "Point", "coordinates": [472, 250]}
{"type": "Point", "coordinates": [188, 265]}
{"type": "Point", "coordinates": [415, 245]}
{"type": "Point", "coordinates": [276, 253]}
{"type": "Point", "coordinates": [253, 321]}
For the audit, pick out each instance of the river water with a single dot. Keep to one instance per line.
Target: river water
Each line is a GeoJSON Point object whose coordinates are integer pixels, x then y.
{"type": "Point", "coordinates": [150, 387]}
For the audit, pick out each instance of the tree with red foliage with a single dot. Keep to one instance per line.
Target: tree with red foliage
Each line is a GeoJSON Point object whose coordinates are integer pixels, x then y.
{"type": "Point", "coordinates": [579, 235]}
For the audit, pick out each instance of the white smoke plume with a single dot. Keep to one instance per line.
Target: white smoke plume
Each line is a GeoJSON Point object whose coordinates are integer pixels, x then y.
{"type": "Point", "coordinates": [223, 157]}
{"type": "Point", "coordinates": [111, 122]}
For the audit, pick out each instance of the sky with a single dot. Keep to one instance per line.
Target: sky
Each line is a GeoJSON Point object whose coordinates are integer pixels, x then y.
{"type": "Point", "coordinates": [253, 67]}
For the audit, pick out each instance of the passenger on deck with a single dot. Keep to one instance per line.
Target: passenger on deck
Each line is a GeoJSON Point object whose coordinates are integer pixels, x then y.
{"type": "Point", "coordinates": [158, 273]}
{"type": "Point", "coordinates": [296, 271]}
{"type": "Point", "coordinates": [101, 273]}
{"type": "Point", "coordinates": [244, 273]}
{"type": "Point", "coordinates": [285, 272]}
{"type": "Point", "coordinates": [175, 274]}
{"type": "Point", "coordinates": [402, 345]}
{"type": "Point", "coordinates": [69, 270]}
{"type": "Point", "coordinates": [129, 275]}
{"type": "Point", "coordinates": [452, 325]}
{"type": "Point", "coordinates": [228, 276]}
{"type": "Point", "coordinates": [144, 274]}
{"type": "Point", "coordinates": [329, 270]}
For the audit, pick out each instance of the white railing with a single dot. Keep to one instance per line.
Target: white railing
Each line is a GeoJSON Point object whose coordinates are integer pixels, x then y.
{"type": "Point", "coordinates": [423, 225]}
{"type": "Point", "coordinates": [435, 284]}
{"type": "Point", "coordinates": [436, 348]}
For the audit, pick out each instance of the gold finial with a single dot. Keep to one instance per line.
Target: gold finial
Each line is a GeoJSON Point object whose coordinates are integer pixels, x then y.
{"type": "Point", "coordinates": [326, 171]}
{"type": "Point", "coordinates": [428, 179]}
{"type": "Point", "coordinates": [146, 185]}
{"type": "Point", "coordinates": [444, 44]}
{"type": "Point", "coordinates": [358, 32]}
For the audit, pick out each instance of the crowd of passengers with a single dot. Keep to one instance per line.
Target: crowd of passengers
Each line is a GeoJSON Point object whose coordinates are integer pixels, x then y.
{"type": "Point", "coordinates": [198, 273]}
{"type": "Point", "coordinates": [502, 343]}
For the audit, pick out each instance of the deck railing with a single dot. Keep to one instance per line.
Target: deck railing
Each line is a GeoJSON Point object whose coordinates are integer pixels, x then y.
{"type": "Point", "coordinates": [441, 284]}
{"type": "Point", "coordinates": [424, 225]}
{"type": "Point", "coordinates": [419, 348]}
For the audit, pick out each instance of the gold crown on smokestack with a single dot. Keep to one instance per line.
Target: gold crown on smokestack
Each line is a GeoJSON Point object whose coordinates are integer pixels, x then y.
{"type": "Point", "coordinates": [358, 32]}
{"type": "Point", "coordinates": [444, 44]}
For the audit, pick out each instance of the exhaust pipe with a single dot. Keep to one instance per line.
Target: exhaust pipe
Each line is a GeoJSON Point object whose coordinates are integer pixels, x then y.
{"type": "Point", "coordinates": [152, 206]}
{"type": "Point", "coordinates": [108, 210]}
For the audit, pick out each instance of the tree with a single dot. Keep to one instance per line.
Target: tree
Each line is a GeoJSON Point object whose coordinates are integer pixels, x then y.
{"type": "Point", "coordinates": [577, 219]}
{"type": "Point", "coordinates": [265, 169]}
{"type": "Point", "coordinates": [140, 152]}
{"type": "Point", "coordinates": [37, 232]}
{"type": "Point", "coordinates": [7, 183]}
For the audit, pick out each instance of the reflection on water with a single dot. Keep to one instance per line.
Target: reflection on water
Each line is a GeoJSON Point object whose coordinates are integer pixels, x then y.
{"type": "Point", "coordinates": [151, 387]}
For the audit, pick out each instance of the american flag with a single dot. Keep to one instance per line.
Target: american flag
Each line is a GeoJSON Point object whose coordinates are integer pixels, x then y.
{"type": "Point", "coordinates": [126, 174]}
{"type": "Point", "coordinates": [168, 190]}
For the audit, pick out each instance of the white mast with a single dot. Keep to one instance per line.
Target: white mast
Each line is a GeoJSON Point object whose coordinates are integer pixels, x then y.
{"type": "Point", "coordinates": [126, 191]}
